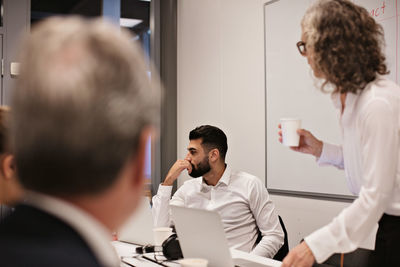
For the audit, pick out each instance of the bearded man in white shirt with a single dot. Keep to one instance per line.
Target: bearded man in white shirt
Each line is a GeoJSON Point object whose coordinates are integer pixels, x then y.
{"type": "Point", "coordinates": [240, 198]}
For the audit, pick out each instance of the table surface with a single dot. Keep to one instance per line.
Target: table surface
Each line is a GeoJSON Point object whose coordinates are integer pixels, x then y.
{"type": "Point", "coordinates": [127, 253]}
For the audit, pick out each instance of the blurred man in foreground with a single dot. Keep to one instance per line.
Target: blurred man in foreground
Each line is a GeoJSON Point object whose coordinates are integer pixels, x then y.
{"type": "Point", "coordinates": [81, 113]}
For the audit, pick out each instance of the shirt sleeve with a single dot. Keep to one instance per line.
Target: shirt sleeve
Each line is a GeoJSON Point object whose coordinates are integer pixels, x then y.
{"type": "Point", "coordinates": [267, 221]}
{"type": "Point", "coordinates": [161, 201]}
{"type": "Point", "coordinates": [379, 147]}
{"type": "Point", "coordinates": [331, 155]}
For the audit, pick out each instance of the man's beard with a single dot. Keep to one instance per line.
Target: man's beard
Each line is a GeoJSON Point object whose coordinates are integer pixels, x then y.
{"type": "Point", "coordinates": [202, 168]}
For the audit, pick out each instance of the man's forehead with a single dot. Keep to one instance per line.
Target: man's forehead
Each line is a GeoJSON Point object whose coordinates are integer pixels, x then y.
{"type": "Point", "coordinates": [195, 144]}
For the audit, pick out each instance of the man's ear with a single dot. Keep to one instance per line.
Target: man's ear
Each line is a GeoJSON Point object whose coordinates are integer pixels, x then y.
{"type": "Point", "coordinates": [214, 155]}
{"type": "Point", "coordinates": [139, 158]}
{"type": "Point", "coordinates": [8, 167]}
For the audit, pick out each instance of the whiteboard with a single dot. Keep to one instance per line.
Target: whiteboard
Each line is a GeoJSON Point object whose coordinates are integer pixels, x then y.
{"type": "Point", "coordinates": [291, 91]}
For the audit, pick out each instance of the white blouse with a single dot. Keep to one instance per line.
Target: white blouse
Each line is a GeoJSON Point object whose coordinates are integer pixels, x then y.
{"type": "Point", "coordinates": [370, 157]}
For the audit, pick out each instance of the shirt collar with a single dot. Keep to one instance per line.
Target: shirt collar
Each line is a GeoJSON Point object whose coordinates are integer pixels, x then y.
{"type": "Point", "coordinates": [350, 102]}
{"type": "Point", "coordinates": [335, 96]}
{"type": "Point", "coordinates": [96, 235]}
{"type": "Point", "coordinates": [225, 179]}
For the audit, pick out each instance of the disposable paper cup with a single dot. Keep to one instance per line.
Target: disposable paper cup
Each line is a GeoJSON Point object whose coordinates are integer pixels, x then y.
{"type": "Point", "coordinates": [160, 234]}
{"type": "Point", "coordinates": [193, 262]}
{"type": "Point", "coordinates": [289, 127]}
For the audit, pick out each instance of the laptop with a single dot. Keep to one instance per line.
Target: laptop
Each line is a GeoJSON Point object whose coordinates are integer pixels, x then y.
{"type": "Point", "coordinates": [201, 235]}
{"type": "Point", "coordinates": [138, 229]}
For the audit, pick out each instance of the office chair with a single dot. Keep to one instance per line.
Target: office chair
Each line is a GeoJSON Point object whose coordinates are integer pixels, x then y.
{"type": "Point", "coordinates": [284, 250]}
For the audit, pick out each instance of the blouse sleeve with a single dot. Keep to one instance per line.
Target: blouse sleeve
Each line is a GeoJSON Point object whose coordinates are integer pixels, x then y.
{"type": "Point", "coordinates": [379, 145]}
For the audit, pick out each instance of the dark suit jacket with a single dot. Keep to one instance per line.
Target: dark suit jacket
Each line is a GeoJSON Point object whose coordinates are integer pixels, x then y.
{"type": "Point", "coordinates": [30, 237]}
{"type": "Point", "coordinates": [4, 211]}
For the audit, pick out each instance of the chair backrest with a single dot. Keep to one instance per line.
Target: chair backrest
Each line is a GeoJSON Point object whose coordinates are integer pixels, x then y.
{"type": "Point", "coordinates": [284, 250]}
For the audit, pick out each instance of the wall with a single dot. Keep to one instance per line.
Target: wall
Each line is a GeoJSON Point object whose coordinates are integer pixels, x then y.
{"type": "Point", "coordinates": [16, 22]}
{"type": "Point", "coordinates": [302, 216]}
{"type": "Point", "coordinates": [220, 76]}
{"type": "Point", "coordinates": [221, 82]}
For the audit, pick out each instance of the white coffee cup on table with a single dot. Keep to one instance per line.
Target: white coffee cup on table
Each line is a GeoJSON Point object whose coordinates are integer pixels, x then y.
{"type": "Point", "coordinates": [289, 127]}
{"type": "Point", "coordinates": [160, 234]}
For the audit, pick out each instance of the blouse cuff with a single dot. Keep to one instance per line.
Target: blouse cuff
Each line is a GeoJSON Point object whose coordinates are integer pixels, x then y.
{"type": "Point", "coordinates": [322, 244]}
{"type": "Point", "coordinates": [331, 154]}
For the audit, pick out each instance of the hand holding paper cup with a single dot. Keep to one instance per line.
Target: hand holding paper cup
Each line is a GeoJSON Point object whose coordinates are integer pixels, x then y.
{"type": "Point", "coordinates": [193, 262]}
{"type": "Point", "coordinates": [289, 127]}
{"type": "Point", "coordinates": [160, 234]}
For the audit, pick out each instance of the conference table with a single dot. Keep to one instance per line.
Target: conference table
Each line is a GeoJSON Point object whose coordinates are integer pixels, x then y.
{"type": "Point", "coordinates": [127, 253]}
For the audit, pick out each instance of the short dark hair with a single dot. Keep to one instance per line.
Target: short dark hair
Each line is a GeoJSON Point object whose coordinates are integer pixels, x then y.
{"type": "Point", "coordinates": [211, 137]}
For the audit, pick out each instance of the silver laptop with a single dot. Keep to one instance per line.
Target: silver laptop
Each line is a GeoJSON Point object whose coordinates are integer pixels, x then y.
{"type": "Point", "coordinates": [138, 229]}
{"type": "Point", "coordinates": [201, 235]}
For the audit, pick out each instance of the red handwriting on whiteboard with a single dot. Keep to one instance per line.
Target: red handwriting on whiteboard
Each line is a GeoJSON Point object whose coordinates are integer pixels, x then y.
{"type": "Point", "coordinates": [378, 11]}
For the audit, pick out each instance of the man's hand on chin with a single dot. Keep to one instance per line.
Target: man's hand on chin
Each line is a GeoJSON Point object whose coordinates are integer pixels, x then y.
{"type": "Point", "coordinates": [176, 169]}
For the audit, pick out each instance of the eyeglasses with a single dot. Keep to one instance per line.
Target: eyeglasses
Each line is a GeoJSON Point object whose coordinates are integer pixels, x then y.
{"type": "Point", "coordinates": [302, 47]}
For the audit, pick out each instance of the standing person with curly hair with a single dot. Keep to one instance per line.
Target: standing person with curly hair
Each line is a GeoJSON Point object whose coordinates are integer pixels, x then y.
{"type": "Point", "coordinates": [343, 46]}
{"type": "Point", "coordinates": [78, 135]}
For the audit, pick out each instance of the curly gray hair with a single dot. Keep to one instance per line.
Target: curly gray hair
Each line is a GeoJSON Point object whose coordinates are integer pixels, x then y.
{"type": "Point", "coordinates": [345, 44]}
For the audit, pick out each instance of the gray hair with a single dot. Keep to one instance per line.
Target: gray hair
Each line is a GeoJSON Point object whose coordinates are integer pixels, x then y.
{"type": "Point", "coordinates": [309, 23]}
{"type": "Point", "coordinates": [81, 101]}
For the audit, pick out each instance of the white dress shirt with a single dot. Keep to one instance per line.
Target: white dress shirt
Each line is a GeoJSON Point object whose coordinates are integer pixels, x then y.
{"type": "Point", "coordinates": [370, 157]}
{"type": "Point", "coordinates": [97, 237]}
{"type": "Point", "coordinates": [241, 200]}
